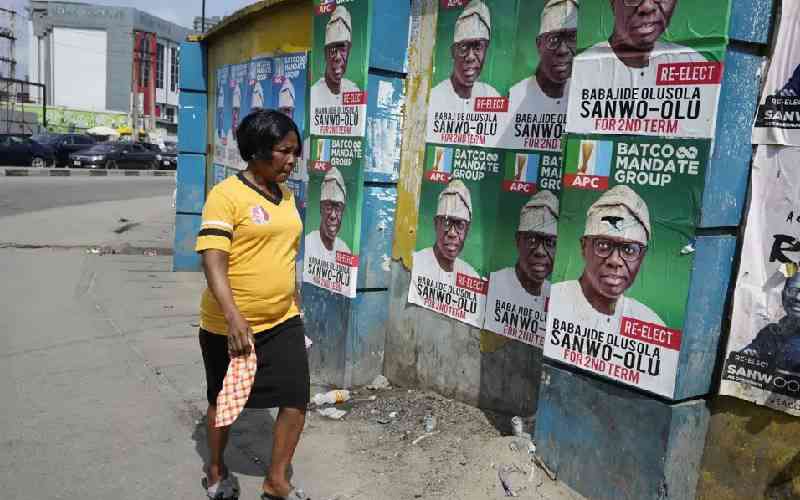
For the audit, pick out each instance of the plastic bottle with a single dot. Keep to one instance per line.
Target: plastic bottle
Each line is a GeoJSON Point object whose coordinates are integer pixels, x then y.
{"type": "Point", "coordinates": [331, 397]}
{"type": "Point", "coordinates": [429, 421]}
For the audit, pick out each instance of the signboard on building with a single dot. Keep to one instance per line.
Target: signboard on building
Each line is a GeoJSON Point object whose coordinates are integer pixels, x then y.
{"type": "Point", "coordinates": [762, 363]}
{"type": "Point", "coordinates": [337, 124]}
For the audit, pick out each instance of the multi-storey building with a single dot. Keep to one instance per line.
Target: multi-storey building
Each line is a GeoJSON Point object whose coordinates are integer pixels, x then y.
{"type": "Point", "coordinates": [101, 58]}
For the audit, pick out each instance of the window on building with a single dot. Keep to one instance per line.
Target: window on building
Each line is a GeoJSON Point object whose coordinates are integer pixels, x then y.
{"type": "Point", "coordinates": [159, 66]}
{"type": "Point", "coordinates": [144, 69]}
{"type": "Point", "coordinates": [174, 62]}
{"type": "Point", "coordinates": [170, 114]}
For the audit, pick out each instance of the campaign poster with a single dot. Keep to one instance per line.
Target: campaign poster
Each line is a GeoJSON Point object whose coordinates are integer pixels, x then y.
{"type": "Point", "coordinates": [627, 217]}
{"type": "Point", "coordinates": [238, 86]}
{"type": "Point", "coordinates": [458, 215]}
{"type": "Point", "coordinates": [468, 102]}
{"type": "Point", "coordinates": [258, 90]}
{"type": "Point", "coordinates": [340, 61]}
{"type": "Point", "coordinates": [337, 125]}
{"type": "Point", "coordinates": [778, 117]}
{"type": "Point", "coordinates": [222, 122]}
{"type": "Point", "coordinates": [288, 94]}
{"type": "Point", "coordinates": [333, 214]}
{"type": "Point", "coordinates": [762, 364]}
{"type": "Point", "coordinates": [648, 68]}
{"type": "Point", "coordinates": [524, 248]}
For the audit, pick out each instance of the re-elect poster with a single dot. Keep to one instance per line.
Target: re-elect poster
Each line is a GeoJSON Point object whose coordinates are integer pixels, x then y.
{"type": "Point", "coordinates": [257, 91]}
{"type": "Point", "coordinates": [468, 102]}
{"type": "Point", "coordinates": [778, 117]}
{"type": "Point", "coordinates": [763, 356]}
{"type": "Point", "coordinates": [340, 61]}
{"type": "Point", "coordinates": [629, 208]}
{"type": "Point", "coordinates": [222, 116]}
{"type": "Point", "coordinates": [337, 123]}
{"type": "Point", "coordinates": [458, 215]}
{"type": "Point", "coordinates": [649, 68]}
{"type": "Point", "coordinates": [525, 242]}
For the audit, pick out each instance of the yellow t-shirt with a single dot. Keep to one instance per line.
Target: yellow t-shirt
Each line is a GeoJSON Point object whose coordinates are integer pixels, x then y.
{"type": "Point", "coordinates": [262, 240]}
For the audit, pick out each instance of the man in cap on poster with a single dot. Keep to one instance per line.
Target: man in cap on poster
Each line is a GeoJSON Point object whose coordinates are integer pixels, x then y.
{"type": "Point", "coordinates": [535, 239]}
{"type": "Point", "coordinates": [451, 222]}
{"type": "Point", "coordinates": [471, 38]}
{"type": "Point", "coordinates": [257, 97]}
{"type": "Point", "coordinates": [221, 111]}
{"type": "Point", "coordinates": [286, 98]}
{"type": "Point", "coordinates": [328, 90]}
{"type": "Point", "coordinates": [614, 245]}
{"type": "Point", "coordinates": [236, 105]}
{"type": "Point", "coordinates": [546, 91]}
{"type": "Point", "coordinates": [324, 242]}
{"type": "Point", "coordinates": [635, 45]}
{"type": "Point", "coordinates": [779, 343]}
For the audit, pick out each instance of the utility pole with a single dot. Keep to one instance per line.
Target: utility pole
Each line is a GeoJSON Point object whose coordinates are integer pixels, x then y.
{"type": "Point", "coordinates": [135, 87]}
{"type": "Point", "coordinates": [203, 18]}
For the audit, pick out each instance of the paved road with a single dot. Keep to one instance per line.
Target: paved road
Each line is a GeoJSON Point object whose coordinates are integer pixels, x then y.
{"type": "Point", "coordinates": [27, 194]}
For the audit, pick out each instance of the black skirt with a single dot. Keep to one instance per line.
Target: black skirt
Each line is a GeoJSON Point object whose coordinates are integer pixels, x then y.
{"type": "Point", "coordinates": [282, 378]}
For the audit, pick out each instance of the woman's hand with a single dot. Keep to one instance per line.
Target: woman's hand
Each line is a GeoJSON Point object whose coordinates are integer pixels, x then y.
{"type": "Point", "coordinates": [240, 336]}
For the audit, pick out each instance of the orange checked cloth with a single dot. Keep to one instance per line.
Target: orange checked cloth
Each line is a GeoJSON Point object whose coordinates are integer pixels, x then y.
{"type": "Point", "coordinates": [236, 388]}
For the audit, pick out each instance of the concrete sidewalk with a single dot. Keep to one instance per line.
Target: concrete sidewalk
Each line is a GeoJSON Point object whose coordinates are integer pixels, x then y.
{"type": "Point", "coordinates": [104, 391]}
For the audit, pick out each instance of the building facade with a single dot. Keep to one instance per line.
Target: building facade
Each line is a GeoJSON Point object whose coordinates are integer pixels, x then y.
{"type": "Point", "coordinates": [99, 58]}
{"type": "Point", "coordinates": [210, 22]}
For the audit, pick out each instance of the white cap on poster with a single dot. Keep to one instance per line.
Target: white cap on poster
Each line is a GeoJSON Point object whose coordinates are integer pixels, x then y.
{"type": "Point", "coordinates": [333, 188]}
{"type": "Point", "coordinates": [619, 213]}
{"type": "Point", "coordinates": [540, 214]}
{"type": "Point", "coordinates": [286, 95]}
{"type": "Point", "coordinates": [559, 15]}
{"type": "Point", "coordinates": [455, 201]}
{"type": "Point", "coordinates": [339, 25]}
{"type": "Point", "coordinates": [474, 23]}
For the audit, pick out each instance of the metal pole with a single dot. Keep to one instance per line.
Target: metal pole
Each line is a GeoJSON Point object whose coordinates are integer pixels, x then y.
{"type": "Point", "coordinates": [203, 18]}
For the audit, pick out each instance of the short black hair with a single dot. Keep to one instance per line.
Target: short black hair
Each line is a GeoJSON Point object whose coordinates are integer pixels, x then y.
{"type": "Point", "coordinates": [261, 130]}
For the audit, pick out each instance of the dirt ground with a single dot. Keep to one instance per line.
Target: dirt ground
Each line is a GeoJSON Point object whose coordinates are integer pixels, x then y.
{"type": "Point", "coordinates": [370, 455]}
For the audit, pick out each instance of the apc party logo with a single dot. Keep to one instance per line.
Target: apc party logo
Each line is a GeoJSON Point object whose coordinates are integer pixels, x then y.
{"type": "Point", "coordinates": [442, 166]}
{"type": "Point", "coordinates": [593, 167]}
{"type": "Point", "coordinates": [322, 151]}
{"type": "Point", "coordinates": [521, 173]}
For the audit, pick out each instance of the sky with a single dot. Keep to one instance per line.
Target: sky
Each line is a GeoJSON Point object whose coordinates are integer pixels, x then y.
{"type": "Point", "coordinates": [180, 12]}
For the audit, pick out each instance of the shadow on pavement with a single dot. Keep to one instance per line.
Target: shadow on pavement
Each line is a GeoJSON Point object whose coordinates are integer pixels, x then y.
{"type": "Point", "coordinates": [249, 444]}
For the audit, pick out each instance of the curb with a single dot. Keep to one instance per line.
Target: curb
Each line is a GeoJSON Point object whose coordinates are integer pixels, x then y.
{"type": "Point", "coordinates": [80, 172]}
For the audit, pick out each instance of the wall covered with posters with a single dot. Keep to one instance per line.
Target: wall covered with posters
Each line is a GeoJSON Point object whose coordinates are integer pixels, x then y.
{"type": "Point", "coordinates": [508, 233]}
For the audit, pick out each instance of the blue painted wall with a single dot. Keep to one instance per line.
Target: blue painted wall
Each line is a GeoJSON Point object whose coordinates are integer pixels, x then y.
{"type": "Point", "coordinates": [609, 443]}
{"type": "Point", "coordinates": [191, 176]}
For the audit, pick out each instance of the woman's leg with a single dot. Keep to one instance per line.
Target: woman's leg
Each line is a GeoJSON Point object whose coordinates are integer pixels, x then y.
{"type": "Point", "coordinates": [217, 440]}
{"type": "Point", "coordinates": [285, 435]}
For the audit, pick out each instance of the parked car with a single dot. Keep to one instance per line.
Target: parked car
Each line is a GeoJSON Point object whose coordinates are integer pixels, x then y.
{"type": "Point", "coordinates": [18, 149]}
{"type": "Point", "coordinates": [113, 155]}
{"type": "Point", "coordinates": [168, 153]}
{"type": "Point", "coordinates": [65, 144]}
{"type": "Point", "coordinates": [169, 158]}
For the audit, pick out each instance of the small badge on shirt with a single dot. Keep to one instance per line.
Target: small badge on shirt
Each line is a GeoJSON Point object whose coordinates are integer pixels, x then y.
{"type": "Point", "coordinates": [259, 215]}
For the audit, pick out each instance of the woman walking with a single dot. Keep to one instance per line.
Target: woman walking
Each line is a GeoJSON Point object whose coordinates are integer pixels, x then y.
{"type": "Point", "coordinates": [249, 240]}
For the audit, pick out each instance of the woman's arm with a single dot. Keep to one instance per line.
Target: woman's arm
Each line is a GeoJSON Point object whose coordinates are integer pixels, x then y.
{"type": "Point", "coordinates": [215, 266]}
